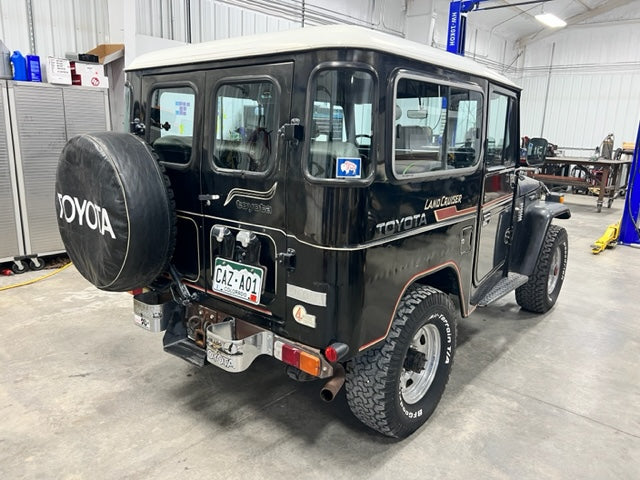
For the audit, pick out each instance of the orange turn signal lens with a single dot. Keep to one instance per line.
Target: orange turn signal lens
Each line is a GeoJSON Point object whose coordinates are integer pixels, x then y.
{"type": "Point", "coordinates": [309, 364]}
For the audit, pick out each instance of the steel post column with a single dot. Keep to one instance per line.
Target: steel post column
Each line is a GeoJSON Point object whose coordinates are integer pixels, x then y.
{"type": "Point", "coordinates": [629, 225]}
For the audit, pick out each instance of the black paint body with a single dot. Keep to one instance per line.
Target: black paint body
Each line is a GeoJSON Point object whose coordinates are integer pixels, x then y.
{"type": "Point", "coordinates": [332, 224]}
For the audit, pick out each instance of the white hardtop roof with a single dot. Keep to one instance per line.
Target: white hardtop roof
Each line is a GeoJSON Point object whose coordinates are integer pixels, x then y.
{"type": "Point", "coordinates": [311, 38]}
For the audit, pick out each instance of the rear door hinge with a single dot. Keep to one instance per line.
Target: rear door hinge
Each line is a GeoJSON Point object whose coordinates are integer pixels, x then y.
{"type": "Point", "coordinates": [288, 259]}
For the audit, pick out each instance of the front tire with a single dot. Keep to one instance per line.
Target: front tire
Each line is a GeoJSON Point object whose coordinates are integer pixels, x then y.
{"type": "Point", "coordinates": [540, 293]}
{"type": "Point", "coordinates": [395, 387]}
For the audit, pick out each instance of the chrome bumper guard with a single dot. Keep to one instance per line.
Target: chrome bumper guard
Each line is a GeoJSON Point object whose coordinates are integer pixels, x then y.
{"type": "Point", "coordinates": [151, 311]}
{"type": "Point", "coordinates": [226, 351]}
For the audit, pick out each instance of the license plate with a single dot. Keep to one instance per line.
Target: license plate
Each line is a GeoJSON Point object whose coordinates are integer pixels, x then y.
{"type": "Point", "coordinates": [238, 280]}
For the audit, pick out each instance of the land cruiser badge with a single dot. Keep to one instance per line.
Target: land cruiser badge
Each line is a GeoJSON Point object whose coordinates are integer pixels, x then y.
{"type": "Point", "coordinates": [443, 201]}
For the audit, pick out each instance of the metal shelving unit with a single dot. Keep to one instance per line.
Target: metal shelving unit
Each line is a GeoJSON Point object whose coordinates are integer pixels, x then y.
{"type": "Point", "coordinates": [38, 120]}
{"type": "Point", "coordinates": [11, 240]}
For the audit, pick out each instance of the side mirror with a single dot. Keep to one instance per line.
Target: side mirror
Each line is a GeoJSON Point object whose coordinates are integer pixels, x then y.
{"type": "Point", "coordinates": [536, 151]}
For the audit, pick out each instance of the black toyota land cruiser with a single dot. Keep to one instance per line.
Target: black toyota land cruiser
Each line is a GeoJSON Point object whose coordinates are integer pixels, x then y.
{"type": "Point", "coordinates": [333, 197]}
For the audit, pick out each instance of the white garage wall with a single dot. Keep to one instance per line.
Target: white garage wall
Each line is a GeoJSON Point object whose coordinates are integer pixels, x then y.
{"type": "Point", "coordinates": [59, 25]}
{"type": "Point", "coordinates": [215, 19]}
{"type": "Point", "coordinates": [593, 86]}
{"type": "Point", "coordinates": [428, 23]}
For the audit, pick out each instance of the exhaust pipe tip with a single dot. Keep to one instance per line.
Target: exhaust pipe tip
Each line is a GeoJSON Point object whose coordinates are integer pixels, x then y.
{"type": "Point", "coordinates": [333, 386]}
{"type": "Point", "coordinates": [327, 395]}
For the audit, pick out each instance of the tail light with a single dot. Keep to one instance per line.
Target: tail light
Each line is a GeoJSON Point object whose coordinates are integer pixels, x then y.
{"type": "Point", "coordinates": [305, 361]}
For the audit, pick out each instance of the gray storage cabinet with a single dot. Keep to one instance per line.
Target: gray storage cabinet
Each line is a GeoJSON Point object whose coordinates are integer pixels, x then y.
{"type": "Point", "coordinates": [11, 241]}
{"type": "Point", "coordinates": [43, 118]}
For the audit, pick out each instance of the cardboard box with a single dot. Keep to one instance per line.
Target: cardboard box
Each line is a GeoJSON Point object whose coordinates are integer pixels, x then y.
{"type": "Point", "coordinates": [87, 69]}
{"type": "Point", "coordinates": [58, 71]}
{"type": "Point", "coordinates": [88, 75]}
{"type": "Point", "coordinates": [108, 52]}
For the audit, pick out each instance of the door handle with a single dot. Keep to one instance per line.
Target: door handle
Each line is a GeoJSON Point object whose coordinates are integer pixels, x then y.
{"type": "Point", "coordinates": [486, 218]}
{"type": "Point", "coordinates": [207, 198]}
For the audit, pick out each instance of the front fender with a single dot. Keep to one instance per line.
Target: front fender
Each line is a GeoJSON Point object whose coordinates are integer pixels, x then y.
{"type": "Point", "coordinates": [530, 233]}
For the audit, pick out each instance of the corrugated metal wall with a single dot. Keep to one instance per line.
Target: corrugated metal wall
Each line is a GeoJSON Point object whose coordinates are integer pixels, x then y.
{"type": "Point", "coordinates": [215, 19]}
{"type": "Point", "coordinates": [59, 25]}
{"type": "Point", "coordinates": [593, 86]}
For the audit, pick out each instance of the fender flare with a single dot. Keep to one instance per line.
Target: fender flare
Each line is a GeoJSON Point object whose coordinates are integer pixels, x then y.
{"type": "Point", "coordinates": [530, 233]}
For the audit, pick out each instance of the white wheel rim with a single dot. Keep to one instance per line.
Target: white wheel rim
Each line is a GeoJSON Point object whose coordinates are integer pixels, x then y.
{"type": "Point", "coordinates": [414, 385]}
{"type": "Point", "coordinates": [554, 271]}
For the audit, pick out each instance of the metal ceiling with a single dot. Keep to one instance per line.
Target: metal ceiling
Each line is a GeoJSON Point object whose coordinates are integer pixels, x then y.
{"type": "Point", "coordinates": [518, 22]}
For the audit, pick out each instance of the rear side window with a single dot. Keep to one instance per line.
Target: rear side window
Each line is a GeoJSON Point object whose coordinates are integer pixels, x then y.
{"type": "Point", "coordinates": [437, 127]}
{"type": "Point", "coordinates": [246, 126]}
{"type": "Point", "coordinates": [340, 138]}
{"type": "Point", "coordinates": [501, 150]}
{"type": "Point", "coordinates": [171, 123]}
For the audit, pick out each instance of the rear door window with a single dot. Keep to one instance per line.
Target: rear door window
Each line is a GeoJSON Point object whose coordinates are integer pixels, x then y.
{"type": "Point", "coordinates": [171, 123]}
{"type": "Point", "coordinates": [246, 125]}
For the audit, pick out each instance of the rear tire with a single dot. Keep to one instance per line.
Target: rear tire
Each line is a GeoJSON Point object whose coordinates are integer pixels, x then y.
{"type": "Point", "coordinates": [395, 387]}
{"type": "Point", "coordinates": [540, 293]}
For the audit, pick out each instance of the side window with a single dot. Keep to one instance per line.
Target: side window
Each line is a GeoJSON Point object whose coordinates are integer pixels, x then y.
{"type": "Point", "coordinates": [171, 123]}
{"type": "Point", "coordinates": [340, 138]}
{"type": "Point", "coordinates": [501, 131]}
{"type": "Point", "coordinates": [246, 126]}
{"type": "Point", "coordinates": [437, 127]}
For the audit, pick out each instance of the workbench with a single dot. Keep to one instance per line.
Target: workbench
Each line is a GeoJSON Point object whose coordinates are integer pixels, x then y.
{"type": "Point", "coordinates": [610, 182]}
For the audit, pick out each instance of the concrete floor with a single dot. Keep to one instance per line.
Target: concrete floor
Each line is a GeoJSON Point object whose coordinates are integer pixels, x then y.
{"type": "Point", "coordinates": [84, 393]}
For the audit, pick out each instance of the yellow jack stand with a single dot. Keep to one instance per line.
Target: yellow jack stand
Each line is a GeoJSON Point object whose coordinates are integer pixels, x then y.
{"type": "Point", "coordinates": [608, 239]}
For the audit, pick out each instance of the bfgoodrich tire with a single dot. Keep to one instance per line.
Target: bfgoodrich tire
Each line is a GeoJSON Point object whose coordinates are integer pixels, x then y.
{"type": "Point", "coordinates": [395, 387]}
{"type": "Point", "coordinates": [115, 210]}
{"type": "Point", "coordinates": [540, 293]}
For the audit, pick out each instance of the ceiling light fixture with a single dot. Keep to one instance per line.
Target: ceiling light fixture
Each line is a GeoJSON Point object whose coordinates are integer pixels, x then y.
{"type": "Point", "coordinates": [550, 20]}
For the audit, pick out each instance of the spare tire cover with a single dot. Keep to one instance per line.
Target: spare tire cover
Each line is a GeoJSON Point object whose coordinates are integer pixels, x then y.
{"type": "Point", "coordinates": [115, 210]}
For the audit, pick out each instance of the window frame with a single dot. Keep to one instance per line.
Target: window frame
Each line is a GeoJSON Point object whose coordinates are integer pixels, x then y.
{"type": "Point", "coordinates": [196, 133]}
{"type": "Point", "coordinates": [239, 79]}
{"type": "Point", "coordinates": [308, 118]}
{"type": "Point", "coordinates": [434, 80]}
{"type": "Point", "coordinates": [512, 129]}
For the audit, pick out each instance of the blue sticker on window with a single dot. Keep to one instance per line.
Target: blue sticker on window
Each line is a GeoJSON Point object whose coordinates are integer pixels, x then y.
{"type": "Point", "coordinates": [348, 167]}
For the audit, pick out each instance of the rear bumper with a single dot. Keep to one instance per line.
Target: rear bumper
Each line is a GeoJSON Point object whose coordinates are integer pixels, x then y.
{"type": "Point", "coordinates": [234, 344]}
{"type": "Point", "coordinates": [209, 336]}
{"type": "Point", "coordinates": [236, 355]}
